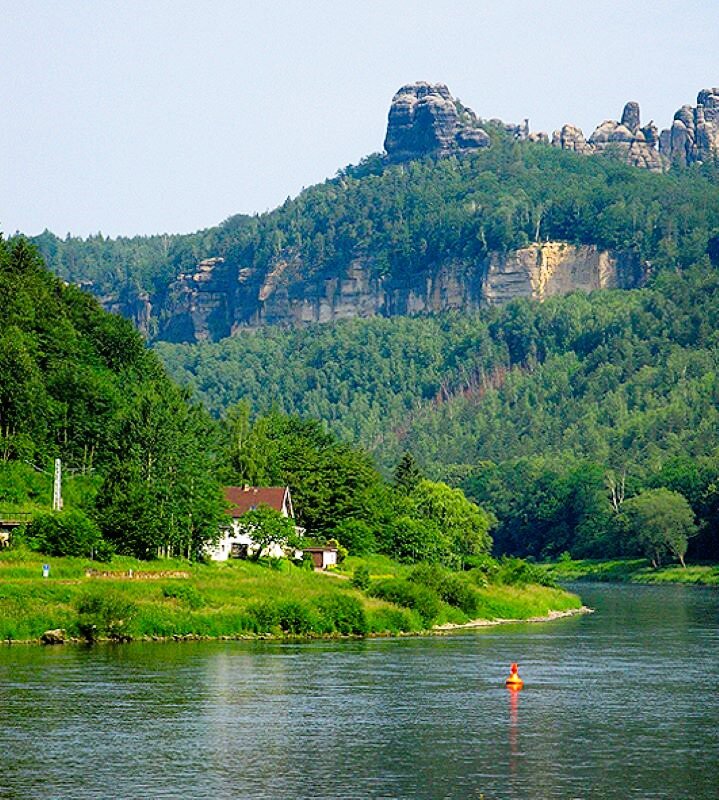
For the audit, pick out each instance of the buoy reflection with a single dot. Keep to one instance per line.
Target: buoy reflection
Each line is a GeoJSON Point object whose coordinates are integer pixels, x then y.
{"type": "Point", "coordinates": [513, 726]}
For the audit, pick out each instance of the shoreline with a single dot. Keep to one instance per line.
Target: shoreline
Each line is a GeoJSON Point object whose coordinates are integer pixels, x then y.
{"type": "Point", "coordinates": [449, 627]}
{"type": "Point", "coordinates": [436, 630]}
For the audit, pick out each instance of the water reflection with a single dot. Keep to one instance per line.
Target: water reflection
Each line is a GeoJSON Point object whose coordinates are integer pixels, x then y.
{"type": "Point", "coordinates": [513, 695]}
{"type": "Point", "coordinates": [612, 710]}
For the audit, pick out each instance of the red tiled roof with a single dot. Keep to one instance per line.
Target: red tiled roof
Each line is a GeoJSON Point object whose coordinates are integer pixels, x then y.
{"type": "Point", "coordinates": [240, 499]}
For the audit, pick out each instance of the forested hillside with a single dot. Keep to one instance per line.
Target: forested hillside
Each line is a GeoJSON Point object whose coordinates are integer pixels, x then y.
{"type": "Point", "coordinates": [614, 387]}
{"type": "Point", "coordinates": [143, 465]}
{"type": "Point", "coordinates": [79, 384]}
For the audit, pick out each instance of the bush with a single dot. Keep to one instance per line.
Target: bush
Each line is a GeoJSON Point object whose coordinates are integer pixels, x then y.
{"type": "Point", "coordinates": [185, 593]}
{"type": "Point", "coordinates": [66, 533]}
{"type": "Point", "coordinates": [420, 598]}
{"type": "Point", "coordinates": [518, 572]}
{"type": "Point", "coordinates": [458, 593]}
{"type": "Point", "coordinates": [104, 614]}
{"type": "Point", "coordinates": [451, 588]}
{"type": "Point", "coordinates": [361, 578]}
{"type": "Point", "coordinates": [290, 616]}
{"type": "Point", "coordinates": [342, 613]}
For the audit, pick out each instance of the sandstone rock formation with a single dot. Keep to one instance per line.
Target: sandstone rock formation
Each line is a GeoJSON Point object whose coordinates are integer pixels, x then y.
{"type": "Point", "coordinates": [425, 119]}
{"type": "Point", "coordinates": [625, 140]}
{"type": "Point", "coordinates": [694, 135]}
{"type": "Point", "coordinates": [554, 268]}
{"type": "Point", "coordinates": [209, 305]}
{"type": "Point", "coordinates": [569, 137]}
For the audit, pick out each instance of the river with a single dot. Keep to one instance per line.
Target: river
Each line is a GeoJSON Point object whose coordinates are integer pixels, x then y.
{"type": "Point", "coordinates": [622, 703]}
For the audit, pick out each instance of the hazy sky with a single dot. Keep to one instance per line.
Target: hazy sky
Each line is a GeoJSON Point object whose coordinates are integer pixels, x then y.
{"type": "Point", "coordinates": [145, 117]}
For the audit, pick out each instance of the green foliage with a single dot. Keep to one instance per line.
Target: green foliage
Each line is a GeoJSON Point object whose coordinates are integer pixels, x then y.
{"type": "Point", "coordinates": [65, 533]}
{"type": "Point", "coordinates": [407, 474]}
{"type": "Point", "coordinates": [517, 572]}
{"type": "Point", "coordinates": [451, 587]}
{"type": "Point", "coordinates": [356, 535]}
{"type": "Point", "coordinates": [185, 593]}
{"type": "Point", "coordinates": [159, 496]}
{"type": "Point", "coordinates": [79, 384]}
{"type": "Point", "coordinates": [464, 525]}
{"type": "Point", "coordinates": [104, 614]}
{"type": "Point", "coordinates": [361, 577]}
{"type": "Point", "coordinates": [327, 477]}
{"type": "Point", "coordinates": [419, 598]}
{"type": "Point", "coordinates": [267, 527]}
{"type": "Point", "coordinates": [342, 613]}
{"type": "Point", "coordinates": [659, 523]}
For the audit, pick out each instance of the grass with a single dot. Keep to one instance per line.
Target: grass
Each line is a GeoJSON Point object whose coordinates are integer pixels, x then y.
{"type": "Point", "coordinates": [635, 570]}
{"type": "Point", "coordinates": [231, 599]}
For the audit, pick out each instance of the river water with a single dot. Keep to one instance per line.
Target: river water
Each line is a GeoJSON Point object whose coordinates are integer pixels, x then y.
{"type": "Point", "coordinates": [623, 703]}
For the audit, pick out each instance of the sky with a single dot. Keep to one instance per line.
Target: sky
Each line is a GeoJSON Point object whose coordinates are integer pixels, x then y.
{"type": "Point", "coordinates": [167, 117]}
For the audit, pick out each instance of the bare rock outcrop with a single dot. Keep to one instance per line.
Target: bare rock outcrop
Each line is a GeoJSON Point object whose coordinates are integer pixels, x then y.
{"type": "Point", "coordinates": [570, 137]}
{"type": "Point", "coordinates": [196, 307]}
{"type": "Point", "coordinates": [425, 119]}
{"type": "Point", "coordinates": [625, 140]}
{"type": "Point", "coordinates": [694, 134]}
{"type": "Point", "coordinates": [554, 268]}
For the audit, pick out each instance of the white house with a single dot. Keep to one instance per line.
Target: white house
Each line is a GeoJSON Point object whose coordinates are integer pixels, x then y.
{"type": "Point", "coordinates": [236, 540]}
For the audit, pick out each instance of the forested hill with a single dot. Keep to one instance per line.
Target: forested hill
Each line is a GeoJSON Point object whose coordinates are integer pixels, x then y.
{"type": "Point", "coordinates": [423, 236]}
{"type": "Point", "coordinates": [539, 411]}
{"type": "Point", "coordinates": [79, 384]}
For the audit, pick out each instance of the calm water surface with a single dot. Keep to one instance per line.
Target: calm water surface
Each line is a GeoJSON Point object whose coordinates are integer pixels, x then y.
{"type": "Point", "coordinates": [620, 704]}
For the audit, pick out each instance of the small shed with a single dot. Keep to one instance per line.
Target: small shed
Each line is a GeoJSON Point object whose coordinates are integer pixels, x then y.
{"type": "Point", "coordinates": [322, 557]}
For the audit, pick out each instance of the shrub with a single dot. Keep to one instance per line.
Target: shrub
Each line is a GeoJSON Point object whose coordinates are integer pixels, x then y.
{"type": "Point", "coordinates": [451, 588]}
{"type": "Point", "coordinates": [420, 598]}
{"type": "Point", "coordinates": [290, 616]}
{"type": "Point", "coordinates": [361, 578]}
{"type": "Point", "coordinates": [104, 614]}
{"type": "Point", "coordinates": [342, 613]}
{"type": "Point", "coordinates": [460, 594]}
{"type": "Point", "coordinates": [518, 572]}
{"type": "Point", "coordinates": [64, 533]}
{"type": "Point", "coordinates": [185, 593]}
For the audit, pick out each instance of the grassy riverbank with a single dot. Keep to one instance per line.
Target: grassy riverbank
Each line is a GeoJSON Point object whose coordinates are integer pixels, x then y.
{"type": "Point", "coordinates": [632, 570]}
{"type": "Point", "coordinates": [238, 598]}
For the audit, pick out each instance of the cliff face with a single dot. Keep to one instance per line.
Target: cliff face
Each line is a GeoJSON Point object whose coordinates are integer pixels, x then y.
{"type": "Point", "coordinates": [214, 302]}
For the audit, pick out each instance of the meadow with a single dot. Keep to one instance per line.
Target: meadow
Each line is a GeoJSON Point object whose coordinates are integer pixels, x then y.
{"type": "Point", "coordinates": [130, 599]}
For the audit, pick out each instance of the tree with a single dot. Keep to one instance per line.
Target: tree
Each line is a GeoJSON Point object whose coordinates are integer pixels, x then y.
{"type": "Point", "coordinates": [159, 498]}
{"type": "Point", "coordinates": [407, 474]}
{"type": "Point", "coordinates": [659, 522]}
{"type": "Point", "coordinates": [267, 527]}
{"type": "Point", "coordinates": [465, 525]}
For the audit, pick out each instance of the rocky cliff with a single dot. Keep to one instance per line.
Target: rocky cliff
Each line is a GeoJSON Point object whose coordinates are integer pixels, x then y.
{"type": "Point", "coordinates": [694, 135]}
{"type": "Point", "coordinates": [210, 303]}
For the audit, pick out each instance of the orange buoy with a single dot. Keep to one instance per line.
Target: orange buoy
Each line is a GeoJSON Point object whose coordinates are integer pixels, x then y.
{"type": "Point", "coordinates": [514, 681]}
